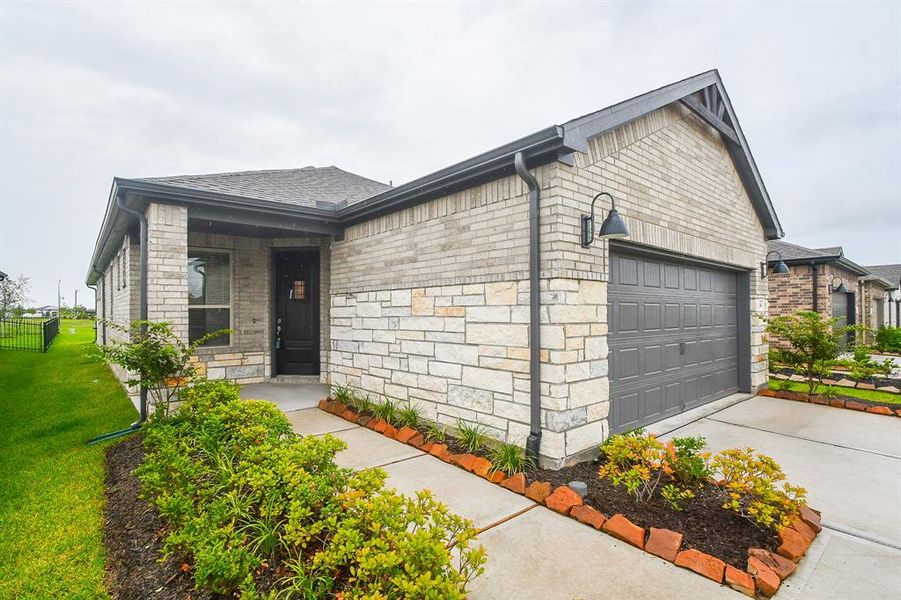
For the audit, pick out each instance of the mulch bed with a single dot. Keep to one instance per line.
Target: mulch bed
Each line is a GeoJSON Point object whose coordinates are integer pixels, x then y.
{"type": "Point", "coordinates": [133, 535]}
{"type": "Point", "coordinates": [704, 523]}
{"type": "Point", "coordinates": [843, 374]}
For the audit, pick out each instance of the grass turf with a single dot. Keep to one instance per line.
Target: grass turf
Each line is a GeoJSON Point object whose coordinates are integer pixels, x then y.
{"type": "Point", "coordinates": [872, 395]}
{"type": "Point", "coordinates": [51, 491]}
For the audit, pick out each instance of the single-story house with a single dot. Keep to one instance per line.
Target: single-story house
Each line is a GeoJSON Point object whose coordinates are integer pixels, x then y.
{"type": "Point", "coordinates": [824, 280]}
{"type": "Point", "coordinates": [887, 308]}
{"type": "Point", "coordinates": [483, 291]}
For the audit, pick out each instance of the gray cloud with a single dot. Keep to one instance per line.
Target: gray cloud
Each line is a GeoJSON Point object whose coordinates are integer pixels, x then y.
{"type": "Point", "coordinates": [393, 91]}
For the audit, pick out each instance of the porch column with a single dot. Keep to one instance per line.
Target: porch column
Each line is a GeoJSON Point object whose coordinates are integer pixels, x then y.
{"type": "Point", "coordinates": [167, 266]}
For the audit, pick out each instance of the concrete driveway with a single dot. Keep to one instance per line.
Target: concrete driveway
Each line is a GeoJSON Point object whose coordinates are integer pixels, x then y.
{"type": "Point", "coordinates": [850, 463]}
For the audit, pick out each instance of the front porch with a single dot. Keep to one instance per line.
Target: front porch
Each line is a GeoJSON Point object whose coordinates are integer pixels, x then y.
{"type": "Point", "coordinates": [267, 282]}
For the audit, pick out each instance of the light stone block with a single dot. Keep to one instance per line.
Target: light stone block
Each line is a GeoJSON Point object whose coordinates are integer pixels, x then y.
{"type": "Point", "coordinates": [489, 379]}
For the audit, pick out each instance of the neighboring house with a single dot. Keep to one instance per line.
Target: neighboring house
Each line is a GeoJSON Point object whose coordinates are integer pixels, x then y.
{"type": "Point", "coordinates": [424, 292]}
{"type": "Point", "coordinates": [887, 307]}
{"type": "Point", "coordinates": [824, 280]}
{"type": "Point", "coordinates": [46, 311]}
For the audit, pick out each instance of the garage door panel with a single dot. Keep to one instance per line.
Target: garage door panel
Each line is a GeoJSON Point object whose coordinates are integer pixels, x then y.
{"type": "Point", "coordinates": [673, 337]}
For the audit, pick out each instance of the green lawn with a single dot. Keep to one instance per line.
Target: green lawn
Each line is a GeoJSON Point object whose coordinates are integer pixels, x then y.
{"type": "Point", "coordinates": [796, 386]}
{"type": "Point", "coordinates": [51, 483]}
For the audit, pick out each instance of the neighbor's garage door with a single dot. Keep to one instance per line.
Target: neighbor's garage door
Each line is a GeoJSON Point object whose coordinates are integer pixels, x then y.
{"type": "Point", "coordinates": [673, 337]}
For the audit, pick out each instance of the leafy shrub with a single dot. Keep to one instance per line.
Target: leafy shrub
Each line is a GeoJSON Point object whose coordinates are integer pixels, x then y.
{"type": "Point", "coordinates": [675, 496]}
{"type": "Point", "coordinates": [755, 487]}
{"type": "Point", "coordinates": [343, 394]}
{"type": "Point", "coordinates": [509, 459]}
{"type": "Point", "coordinates": [155, 358]}
{"type": "Point", "coordinates": [808, 342]}
{"type": "Point", "coordinates": [206, 393]}
{"type": "Point", "coordinates": [686, 460]}
{"type": "Point", "coordinates": [862, 365]}
{"type": "Point", "coordinates": [242, 493]}
{"type": "Point", "coordinates": [472, 437]}
{"type": "Point", "coordinates": [888, 339]}
{"type": "Point", "coordinates": [634, 460]}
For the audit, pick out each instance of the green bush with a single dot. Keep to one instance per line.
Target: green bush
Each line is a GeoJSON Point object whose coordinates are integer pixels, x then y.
{"type": "Point", "coordinates": [241, 494]}
{"type": "Point", "coordinates": [472, 437]}
{"type": "Point", "coordinates": [509, 459]}
{"type": "Point", "coordinates": [755, 487]}
{"type": "Point", "coordinates": [634, 460]}
{"type": "Point", "coordinates": [808, 342]}
{"type": "Point", "coordinates": [888, 339]}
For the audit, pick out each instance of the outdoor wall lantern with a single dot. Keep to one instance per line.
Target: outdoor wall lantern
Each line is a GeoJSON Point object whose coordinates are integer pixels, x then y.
{"type": "Point", "coordinates": [613, 226]}
{"type": "Point", "coordinates": [780, 269]}
{"type": "Point", "coordinates": [841, 288]}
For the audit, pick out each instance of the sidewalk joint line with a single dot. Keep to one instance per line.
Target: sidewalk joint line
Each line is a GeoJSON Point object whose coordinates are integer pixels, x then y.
{"type": "Point", "coordinates": [806, 439]}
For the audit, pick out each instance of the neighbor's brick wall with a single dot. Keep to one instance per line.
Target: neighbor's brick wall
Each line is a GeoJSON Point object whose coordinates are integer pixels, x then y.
{"type": "Point", "coordinates": [119, 295]}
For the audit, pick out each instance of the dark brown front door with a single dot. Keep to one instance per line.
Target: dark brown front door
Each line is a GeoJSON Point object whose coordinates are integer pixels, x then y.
{"type": "Point", "coordinates": [297, 312]}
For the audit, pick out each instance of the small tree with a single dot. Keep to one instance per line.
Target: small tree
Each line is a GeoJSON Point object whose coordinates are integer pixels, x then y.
{"type": "Point", "coordinates": [160, 360]}
{"type": "Point", "coordinates": [810, 343]}
{"type": "Point", "coordinates": [13, 294]}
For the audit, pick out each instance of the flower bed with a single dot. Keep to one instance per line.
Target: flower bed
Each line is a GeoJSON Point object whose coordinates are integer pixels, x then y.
{"type": "Point", "coordinates": [836, 401]}
{"type": "Point", "coordinates": [731, 547]}
{"type": "Point", "coordinates": [845, 379]}
{"type": "Point", "coordinates": [243, 506]}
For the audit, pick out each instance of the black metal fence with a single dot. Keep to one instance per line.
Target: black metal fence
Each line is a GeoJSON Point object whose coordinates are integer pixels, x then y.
{"type": "Point", "coordinates": [34, 335]}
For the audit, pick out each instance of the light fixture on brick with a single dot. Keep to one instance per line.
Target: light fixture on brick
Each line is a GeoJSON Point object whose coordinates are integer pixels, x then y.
{"type": "Point", "coordinates": [841, 288]}
{"type": "Point", "coordinates": [780, 268]}
{"type": "Point", "coordinates": [613, 226]}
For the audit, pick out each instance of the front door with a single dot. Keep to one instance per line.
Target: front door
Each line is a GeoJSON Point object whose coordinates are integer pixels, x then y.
{"type": "Point", "coordinates": [296, 338]}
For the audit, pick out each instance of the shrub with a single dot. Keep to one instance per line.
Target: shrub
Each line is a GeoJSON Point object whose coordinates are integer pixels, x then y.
{"type": "Point", "coordinates": [207, 393]}
{"type": "Point", "coordinates": [755, 487]}
{"type": "Point", "coordinates": [160, 361]}
{"type": "Point", "coordinates": [808, 342]}
{"type": "Point", "coordinates": [343, 394]}
{"type": "Point", "coordinates": [241, 492]}
{"type": "Point", "coordinates": [888, 339]}
{"type": "Point", "coordinates": [635, 461]}
{"type": "Point", "coordinates": [862, 365]}
{"type": "Point", "coordinates": [472, 437]}
{"type": "Point", "coordinates": [509, 459]}
{"type": "Point", "coordinates": [686, 461]}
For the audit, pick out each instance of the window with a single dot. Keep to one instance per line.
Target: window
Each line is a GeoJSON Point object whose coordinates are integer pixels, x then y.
{"type": "Point", "coordinates": [209, 295]}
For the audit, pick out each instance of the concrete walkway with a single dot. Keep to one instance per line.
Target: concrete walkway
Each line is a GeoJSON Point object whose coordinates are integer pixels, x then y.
{"type": "Point", "coordinates": [850, 462]}
{"type": "Point", "coordinates": [533, 552]}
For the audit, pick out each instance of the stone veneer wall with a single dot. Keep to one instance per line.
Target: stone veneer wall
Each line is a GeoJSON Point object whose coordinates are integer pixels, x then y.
{"type": "Point", "coordinates": [415, 294]}
{"type": "Point", "coordinates": [678, 190]}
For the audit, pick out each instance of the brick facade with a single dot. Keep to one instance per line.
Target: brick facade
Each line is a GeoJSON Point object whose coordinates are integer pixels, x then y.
{"type": "Point", "coordinates": [430, 304]}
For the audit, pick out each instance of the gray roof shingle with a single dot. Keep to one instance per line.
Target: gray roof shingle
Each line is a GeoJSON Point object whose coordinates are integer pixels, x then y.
{"type": "Point", "coordinates": [891, 273]}
{"type": "Point", "coordinates": [309, 186]}
{"type": "Point", "coordinates": [795, 252]}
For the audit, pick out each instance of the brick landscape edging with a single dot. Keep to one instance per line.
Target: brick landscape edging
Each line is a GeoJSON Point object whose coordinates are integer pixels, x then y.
{"type": "Point", "coordinates": [765, 571]}
{"type": "Point", "coordinates": [848, 403]}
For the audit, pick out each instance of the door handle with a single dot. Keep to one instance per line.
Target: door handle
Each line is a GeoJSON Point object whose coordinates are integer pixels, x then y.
{"type": "Point", "coordinates": [681, 347]}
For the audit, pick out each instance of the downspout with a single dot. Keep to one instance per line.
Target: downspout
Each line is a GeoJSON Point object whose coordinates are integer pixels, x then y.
{"type": "Point", "coordinates": [94, 288]}
{"type": "Point", "coordinates": [815, 285]}
{"type": "Point", "coordinates": [142, 302]}
{"type": "Point", "coordinates": [142, 417]}
{"type": "Point", "coordinates": [533, 443]}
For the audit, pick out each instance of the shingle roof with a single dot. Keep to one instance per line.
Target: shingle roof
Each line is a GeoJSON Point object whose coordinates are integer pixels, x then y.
{"type": "Point", "coordinates": [309, 186]}
{"type": "Point", "coordinates": [795, 252]}
{"type": "Point", "coordinates": [891, 273]}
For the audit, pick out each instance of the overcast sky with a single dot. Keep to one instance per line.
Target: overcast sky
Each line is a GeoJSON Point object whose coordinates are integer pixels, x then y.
{"type": "Point", "coordinates": [96, 90]}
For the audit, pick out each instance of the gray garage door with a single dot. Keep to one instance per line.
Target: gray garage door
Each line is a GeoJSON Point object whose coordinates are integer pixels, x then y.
{"type": "Point", "coordinates": [673, 337]}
